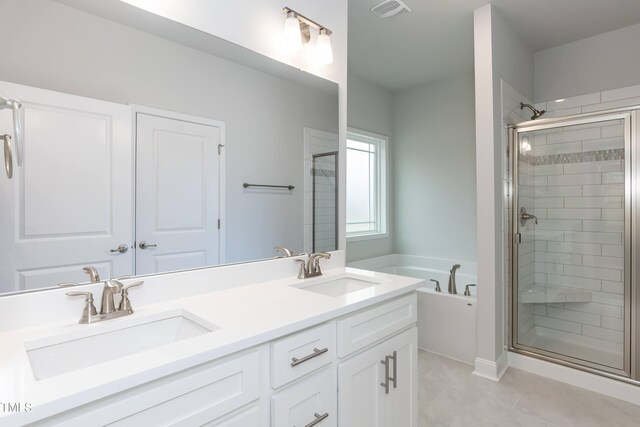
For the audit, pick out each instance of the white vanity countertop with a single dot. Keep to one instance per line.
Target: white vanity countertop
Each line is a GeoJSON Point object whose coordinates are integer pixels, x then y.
{"type": "Point", "coordinates": [247, 316]}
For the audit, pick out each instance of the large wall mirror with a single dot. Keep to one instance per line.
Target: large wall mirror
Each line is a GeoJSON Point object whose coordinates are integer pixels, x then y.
{"type": "Point", "coordinates": [152, 147]}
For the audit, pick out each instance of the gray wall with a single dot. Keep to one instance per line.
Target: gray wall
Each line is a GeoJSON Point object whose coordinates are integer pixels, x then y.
{"type": "Point", "coordinates": [59, 48]}
{"type": "Point", "coordinates": [606, 61]}
{"type": "Point", "coordinates": [434, 164]}
{"type": "Point", "coordinates": [370, 108]}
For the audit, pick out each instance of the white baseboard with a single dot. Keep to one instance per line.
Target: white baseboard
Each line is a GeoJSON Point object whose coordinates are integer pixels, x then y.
{"type": "Point", "coordinates": [596, 383]}
{"type": "Point", "coordinates": [491, 370]}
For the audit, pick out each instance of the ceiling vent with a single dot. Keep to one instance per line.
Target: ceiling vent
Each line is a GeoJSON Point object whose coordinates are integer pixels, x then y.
{"type": "Point", "coordinates": [389, 8]}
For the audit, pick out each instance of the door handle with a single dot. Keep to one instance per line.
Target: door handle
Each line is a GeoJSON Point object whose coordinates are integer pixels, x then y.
{"type": "Point", "coordinates": [385, 384]}
{"type": "Point", "coordinates": [122, 249]}
{"type": "Point", "coordinates": [394, 379]}
{"type": "Point", "coordinates": [145, 245]}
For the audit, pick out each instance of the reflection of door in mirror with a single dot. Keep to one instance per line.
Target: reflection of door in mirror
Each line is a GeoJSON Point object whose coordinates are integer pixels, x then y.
{"type": "Point", "coordinates": [177, 193]}
{"type": "Point", "coordinates": [71, 203]}
{"type": "Point", "coordinates": [320, 189]}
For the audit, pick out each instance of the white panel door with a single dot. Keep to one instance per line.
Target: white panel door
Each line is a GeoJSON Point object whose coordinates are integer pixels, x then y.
{"type": "Point", "coordinates": [178, 190]}
{"type": "Point", "coordinates": [361, 397]}
{"type": "Point", "coordinates": [72, 201]}
{"type": "Point", "coordinates": [400, 405]}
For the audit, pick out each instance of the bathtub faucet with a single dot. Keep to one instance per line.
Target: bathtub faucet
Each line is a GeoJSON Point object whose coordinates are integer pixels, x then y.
{"type": "Point", "coordinates": [452, 279]}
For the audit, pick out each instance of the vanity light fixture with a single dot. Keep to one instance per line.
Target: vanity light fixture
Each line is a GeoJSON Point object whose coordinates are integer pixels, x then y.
{"type": "Point", "coordinates": [297, 31]}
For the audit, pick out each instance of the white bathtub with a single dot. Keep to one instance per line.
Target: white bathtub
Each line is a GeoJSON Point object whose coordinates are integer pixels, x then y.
{"type": "Point", "coordinates": [446, 323]}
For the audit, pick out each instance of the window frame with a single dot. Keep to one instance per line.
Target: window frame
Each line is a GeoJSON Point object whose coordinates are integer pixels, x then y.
{"type": "Point", "coordinates": [382, 207]}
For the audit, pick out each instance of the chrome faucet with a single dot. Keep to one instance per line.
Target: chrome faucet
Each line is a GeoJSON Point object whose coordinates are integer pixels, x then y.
{"type": "Point", "coordinates": [452, 279]}
{"type": "Point", "coordinates": [94, 277]}
{"type": "Point", "coordinates": [108, 309]}
{"type": "Point", "coordinates": [286, 251]}
{"type": "Point", "coordinates": [312, 267]}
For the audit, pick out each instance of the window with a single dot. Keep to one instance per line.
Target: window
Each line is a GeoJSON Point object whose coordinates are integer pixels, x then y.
{"type": "Point", "coordinates": [366, 185]}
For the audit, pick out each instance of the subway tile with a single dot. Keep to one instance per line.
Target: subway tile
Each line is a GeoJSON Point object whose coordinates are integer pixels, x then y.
{"type": "Point", "coordinates": [621, 93]}
{"type": "Point", "coordinates": [611, 323]}
{"type": "Point", "coordinates": [574, 101]}
{"type": "Point", "coordinates": [548, 170]}
{"type": "Point", "coordinates": [574, 316]}
{"type": "Point", "coordinates": [613, 178]}
{"type": "Point", "coordinates": [593, 214]}
{"type": "Point", "coordinates": [547, 202]}
{"type": "Point", "coordinates": [604, 226]}
{"type": "Point", "coordinates": [559, 191]}
{"type": "Point", "coordinates": [613, 250]}
{"type": "Point", "coordinates": [594, 167]}
{"type": "Point", "coordinates": [570, 135]}
{"type": "Point", "coordinates": [595, 308]}
{"type": "Point", "coordinates": [575, 179]}
{"type": "Point", "coordinates": [540, 213]}
{"type": "Point", "coordinates": [560, 224]}
{"type": "Point", "coordinates": [559, 258]}
{"type": "Point", "coordinates": [540, 181]}
{"type": "Point", "coordinates": [612, 131]}
{"type": "Point", "coordinates": [603, 334]}
{"type": "Point", "coordinates": [539, 140]}
{"type": "Point", "coordinates": [562, 325]}
{"type": "Point", "coordinates": [613, 214]}
{"type": "Point", "coordinates": [627, 102]}
{"type": "Point", "coordinates": [612, 287]}
{"type": "Point", "coordinates": [540, 245]}
{"type": "Point", "coordinates": [540, 309]}
{"type": "Point", "coordinates": [564, 112]}
{"type": "Point", "coordinates": [560, 148]}
{"type": "Point", "coordinates": [603, 144]}
{"type": "Point", "coordinates": [593, 273]}
{"type": "Point", "coordinates": [544, 267]}
{"type": "Point", "coordinates": [549, 235]}
{"type": "Point", "coordinates": [587, 284]}
{"type": "Point", "coordinates": [604, 262]}
{"type": "Point", "coordinates": [603, 190]}
{"type": "Point", "coordinates": [593, 202]}
{"type": "Point", "coordinates": [608, 298]}
{"type": "Point", "coordinates": [575, 248]}
{"type": "Point", "coordinates": [540, 278]}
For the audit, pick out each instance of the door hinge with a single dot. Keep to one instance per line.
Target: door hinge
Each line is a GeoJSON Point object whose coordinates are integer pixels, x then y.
{"type": "Point", "coordinates": [218, 224]}
{"type": "Point", "coordinates": [518, 238]}
{"type": "Point", "coordinates": [220, 148]}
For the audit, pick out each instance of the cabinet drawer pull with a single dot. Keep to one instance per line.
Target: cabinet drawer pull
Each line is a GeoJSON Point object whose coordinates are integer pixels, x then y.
{"type": "Point", "coordinates": [395, 369]}
{"type": "Point", "coordinates": [316, 352]}
{"type": "Point", "coordinates": [318, 419]}
{"type": "Point", "coordinates": [385, 384]}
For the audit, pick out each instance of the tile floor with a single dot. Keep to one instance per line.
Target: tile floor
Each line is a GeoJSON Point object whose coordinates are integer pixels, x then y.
{"type": "Point", "coordinates": [449, 395]}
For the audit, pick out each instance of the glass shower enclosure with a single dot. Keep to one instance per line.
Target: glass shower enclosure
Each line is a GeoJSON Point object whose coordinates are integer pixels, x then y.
{"type": "Point", "coordinates": [572, 261]}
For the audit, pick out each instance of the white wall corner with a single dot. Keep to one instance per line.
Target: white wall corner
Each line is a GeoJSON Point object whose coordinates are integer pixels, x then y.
{"type": "Point", "coordinates": [492, 370]}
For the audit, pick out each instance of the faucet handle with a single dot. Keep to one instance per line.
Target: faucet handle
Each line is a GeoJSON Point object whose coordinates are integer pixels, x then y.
{"type": "Point", "coordinates": [89, 309]}
{"type": "Point", "coordinates": [437, 285]}
{"type": "Point", "coordinates": [467, 293]}
{"type": "Point", "coordinates": [125, 304]}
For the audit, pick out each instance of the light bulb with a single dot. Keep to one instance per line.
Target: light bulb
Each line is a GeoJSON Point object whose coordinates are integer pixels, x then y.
{"type": "Point", "coordinates": [324, 53]}
{"type": "Point", "coordinates": [292, 37]}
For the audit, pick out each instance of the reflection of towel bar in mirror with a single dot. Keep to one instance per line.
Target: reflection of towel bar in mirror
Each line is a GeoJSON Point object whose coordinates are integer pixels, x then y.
{"type": "Point", "coordinates": [288, 187]}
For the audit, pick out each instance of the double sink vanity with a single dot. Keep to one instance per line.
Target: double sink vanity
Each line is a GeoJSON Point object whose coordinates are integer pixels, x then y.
{"type": "Point", "coordinates": [337, 349]}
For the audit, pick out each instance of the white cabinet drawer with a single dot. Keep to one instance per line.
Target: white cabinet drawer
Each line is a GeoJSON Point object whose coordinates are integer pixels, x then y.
{"type": "Point", "coordinates": [302, 353]}
{"type": "Point", "coordinates": [312, 399]}
{"type": "Point", "coordinates": [192, 397]}
{"type": "Point", "coordinates": [366, 327]}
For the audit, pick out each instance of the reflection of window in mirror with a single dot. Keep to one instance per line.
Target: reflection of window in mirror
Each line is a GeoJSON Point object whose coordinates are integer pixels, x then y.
{"type": "Point", "coordinates": [366, 185]}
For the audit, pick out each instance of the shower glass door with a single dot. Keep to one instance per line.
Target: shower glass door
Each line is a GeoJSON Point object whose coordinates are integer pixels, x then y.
{"type": "Point", "coordinates": [571, 220]}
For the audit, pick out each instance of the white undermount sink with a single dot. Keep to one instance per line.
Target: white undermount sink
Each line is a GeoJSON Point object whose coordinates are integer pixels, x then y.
{"type": "Point", "coordinates": [338, 287]}
{"type": "Point", "coordinates": [102, 342]}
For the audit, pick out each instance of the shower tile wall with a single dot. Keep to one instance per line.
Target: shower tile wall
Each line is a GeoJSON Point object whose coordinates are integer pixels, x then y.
{"type": "Point", "coordinates": [579, 200]}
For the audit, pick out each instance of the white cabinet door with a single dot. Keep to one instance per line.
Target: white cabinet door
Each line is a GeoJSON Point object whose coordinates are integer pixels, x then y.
{"type": "Point", "coordinates": [400, 405]}
{"type": "Point", "coordinates": [363, 399]}
{"type": "Point", "coordinates": [177, 202]}
{"type": "Point", "coordinates": [360, 397]}
{"type": "Point", "coordinates": [72, 201]}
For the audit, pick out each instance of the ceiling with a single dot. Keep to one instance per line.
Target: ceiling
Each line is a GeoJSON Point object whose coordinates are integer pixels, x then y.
{"type": "Point", "coordinates": [436, 38]}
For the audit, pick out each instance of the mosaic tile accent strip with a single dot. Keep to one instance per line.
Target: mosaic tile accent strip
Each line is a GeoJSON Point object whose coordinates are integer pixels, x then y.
{"type": "Point", "coordinates": [323, 172]}
{"type": "Point", "coordinates": [587, 156]}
